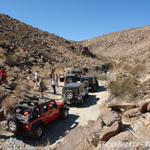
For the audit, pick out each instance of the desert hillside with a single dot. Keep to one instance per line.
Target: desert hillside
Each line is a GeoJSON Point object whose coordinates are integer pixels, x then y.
{"type": "Point", "coordinates": [125, 44]}
{"type": "Point", "coordinates": [22, 45]}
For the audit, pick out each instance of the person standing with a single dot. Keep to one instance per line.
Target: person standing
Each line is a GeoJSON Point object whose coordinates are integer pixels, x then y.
{"type": "Point", "coordinates": [53, 83]}
{"type": "Point", "coordinates": [3, 75]}
{"type": "Point", "coordinates": [56, 79]}
{"type": "Point", "coordinates": [42, 86]}
{"type": "Point", "coordinates": [105, 71]}
{"type": "Point", "coordinates": [36, 77]}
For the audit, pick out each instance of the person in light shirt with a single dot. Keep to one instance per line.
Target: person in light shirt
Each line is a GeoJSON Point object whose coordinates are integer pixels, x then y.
{"type": "Point", "coordinates": [36, 77]}
{"type": "Point", "coordinates": [54, 83]}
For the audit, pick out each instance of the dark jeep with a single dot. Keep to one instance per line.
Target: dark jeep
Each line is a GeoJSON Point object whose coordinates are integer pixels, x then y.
{"type": "Point", "coordinates": [74, 93]}
{"type": "Point", "coordinates": [29, 117]}
{"type": "Point", "coordinates": [77, 73]}
{"type": "Point", "coordinates": [90, 81]}
{"type": "Point", "coordinates": [69, 78]}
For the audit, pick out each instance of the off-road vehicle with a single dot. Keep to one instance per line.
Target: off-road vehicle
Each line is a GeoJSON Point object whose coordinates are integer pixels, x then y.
{"type": "Point", "coordinates": [29, 117]}
{"type": "Point", "coordinates": [74, 93]}
{"type": "Point", "coordinates": [77, 73]}
{"type": "Point", "coordinates": [90, 81]}
{"type": "Point", "coordinates": [70, 78]}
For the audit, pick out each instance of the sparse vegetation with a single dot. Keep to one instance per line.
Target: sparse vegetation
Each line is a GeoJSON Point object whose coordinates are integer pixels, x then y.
{"type": "Point", "coordinates": [124, 85]}
{"type": "Point", "coordinates": [10, 59]}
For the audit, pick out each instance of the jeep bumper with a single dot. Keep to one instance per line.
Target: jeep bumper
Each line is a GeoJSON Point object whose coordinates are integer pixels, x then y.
{"type": "Point", "coordinates": [75, 100]}
{"type": "Point", "coordinates": [23, 133]}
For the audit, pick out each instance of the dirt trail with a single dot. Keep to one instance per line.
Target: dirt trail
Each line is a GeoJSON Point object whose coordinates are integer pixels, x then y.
{"type": "Point", "coordinates": [78, 115]}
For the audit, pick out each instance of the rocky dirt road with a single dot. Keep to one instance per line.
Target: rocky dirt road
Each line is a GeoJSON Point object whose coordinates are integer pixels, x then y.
{"type": "Point", "coordinates": [56, 130]}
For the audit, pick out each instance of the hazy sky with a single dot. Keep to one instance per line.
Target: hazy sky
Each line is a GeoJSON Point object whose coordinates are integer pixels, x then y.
{"type": "Point", "coordinates": [79, 19]}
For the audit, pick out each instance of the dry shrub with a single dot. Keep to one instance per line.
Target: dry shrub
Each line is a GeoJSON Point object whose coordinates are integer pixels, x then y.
{"type": "Point", "coordinates": [135, 71]}
{"type": "Point", "coordinates": [124, 85]}
{"type": "Point", "coordinates": [100, 75]}
{"type": "Point", "coordinates": [10, 59]}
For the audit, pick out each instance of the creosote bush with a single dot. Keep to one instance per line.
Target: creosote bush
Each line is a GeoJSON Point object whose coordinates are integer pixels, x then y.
{"type": "Point", "coordinates": [10, 59]}
{"type": "Point", "coordinates": [124, 85]}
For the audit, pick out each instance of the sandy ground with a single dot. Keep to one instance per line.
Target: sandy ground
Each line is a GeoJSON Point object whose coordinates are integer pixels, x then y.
{"type": "Point", "coordinates": [78, 115]}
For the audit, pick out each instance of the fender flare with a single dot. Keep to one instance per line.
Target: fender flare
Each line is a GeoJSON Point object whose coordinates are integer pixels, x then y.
{"type": "Point", "coordinates": [63, 109]}
{"type": "Point", "coordinates": [37, 123]}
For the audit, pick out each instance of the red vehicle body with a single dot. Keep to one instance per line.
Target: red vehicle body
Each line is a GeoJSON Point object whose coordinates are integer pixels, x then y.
{"type": "Point", "coordinates": [30, 117]}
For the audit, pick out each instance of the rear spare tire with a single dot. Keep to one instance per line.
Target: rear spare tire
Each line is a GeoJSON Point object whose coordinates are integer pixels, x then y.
{"type": "Point", "coordinates": [69, 94]}
{"type": "Point", "coordinates": [13, 124]}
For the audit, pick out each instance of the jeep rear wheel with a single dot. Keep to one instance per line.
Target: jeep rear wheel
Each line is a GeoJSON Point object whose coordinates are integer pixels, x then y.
{"type": "Point", "coordinates": [38, 132]}
{"type": "Point", "coordinates": [69, 94]}
{"type": "Point", "coordinates": [81, 102]}
{"type": "Point", "coordinates": [65, 114]}
{"type": "Point", "coordinates": [13, 124]}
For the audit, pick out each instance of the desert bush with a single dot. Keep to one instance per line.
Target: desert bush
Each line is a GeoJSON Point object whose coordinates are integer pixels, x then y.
{"type": "Point", "coordinates": [122, 85]}
{"type": "Point", "coordinates": [10, 59]}
{"type": "Point", "coordinates": [100, 75]}
{"type": "Point", "coordinates": [135, 71]}
{"type": "Point", "coordinates": [127, 67]}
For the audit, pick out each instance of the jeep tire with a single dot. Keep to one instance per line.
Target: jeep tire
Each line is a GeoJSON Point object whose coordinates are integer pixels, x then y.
{"type": "Point", "coordinates": [86, 83]}
{"type": "Point", "coordinates": [65, 114]}
{"type": "Point", "coordinates": [38, 132]}
{"type": "Point", "coordinates": [69, 94]}
{"type": "Point", "coordinates": [81, 102]}
{"type": "Point", "coordinates": [70, 80]}
{"type": "Point", "coordinates": [13, 124]}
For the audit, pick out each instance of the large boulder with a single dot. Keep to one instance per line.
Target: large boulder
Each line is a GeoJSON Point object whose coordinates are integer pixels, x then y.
{"type": "Point", "coordinates": [118, 141]}
{"type": "Point", "coordinates": [143, 106]}
{"type": "Point", "coordinates": [132, 113]}
{"type": "Point", "coordinates": [98, 125]}
{"type": "Point", "coordinates": [113, 130]}
{"type": "Point", "coordinates": [110, 117]}
{"type": "Point", "coordinates": [124, 106]}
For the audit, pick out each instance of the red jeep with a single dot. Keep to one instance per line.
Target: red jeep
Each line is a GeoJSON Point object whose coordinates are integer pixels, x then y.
{"type": "Point", "coordinates": [29, 117]}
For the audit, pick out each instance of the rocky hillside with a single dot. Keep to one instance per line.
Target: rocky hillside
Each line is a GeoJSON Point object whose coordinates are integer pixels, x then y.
{"type": "Point", "coordinates": [121, 45]}
{"type": "Point", "coordinates": [23, 46]}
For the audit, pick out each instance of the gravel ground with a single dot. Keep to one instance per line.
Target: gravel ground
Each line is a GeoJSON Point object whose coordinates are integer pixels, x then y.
{"type": "Point", "coordinates": [57, 129]}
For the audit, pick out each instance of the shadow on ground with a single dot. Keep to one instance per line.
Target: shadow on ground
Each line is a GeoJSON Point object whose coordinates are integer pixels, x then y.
{"type": "Point", "coordinates": [53, 131]}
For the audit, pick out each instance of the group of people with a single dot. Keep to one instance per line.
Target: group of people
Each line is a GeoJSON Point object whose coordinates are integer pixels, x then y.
{"type": "Point", "coordinates": [53, 81]}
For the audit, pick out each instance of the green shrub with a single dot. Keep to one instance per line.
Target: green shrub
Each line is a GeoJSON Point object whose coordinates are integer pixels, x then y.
{"type": "Point", "coordinates": [124, 85]}
{"type": "Point", "coordinates": [11, 60]}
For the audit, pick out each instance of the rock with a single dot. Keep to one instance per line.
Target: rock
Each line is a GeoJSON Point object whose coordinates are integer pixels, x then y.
{"type": "Point", "coordinates": [132, 113]}
{"type": "Point", "coordinates": [94, 140]}
{"type": "Point", "coordinates": [113, 130]}
{"type": "Point", "coordinates": [125, 106]}
{"type": "Point", "coordinates": [143, 106]}
{"type": "Point", "coordinates": [98, 125]}
{"type": "Point", "coordinates": [118, 141]}
{"type": "Point", "coordinates": [146, 119]}
{"type": "Point", "coordinates": [110, 117]}
{"type": "Point", "coordinates": [146, 97]}
{"type": "Point", "coordinates": [148, 107]}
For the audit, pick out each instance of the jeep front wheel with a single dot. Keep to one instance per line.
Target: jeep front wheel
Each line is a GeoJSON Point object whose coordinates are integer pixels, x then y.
{"type": "Point", "coordinates": [38, 132]}
{"type": "Point", "coordinates": [65, 114]}
{"type": "Point", "coordinates": [13, 125]}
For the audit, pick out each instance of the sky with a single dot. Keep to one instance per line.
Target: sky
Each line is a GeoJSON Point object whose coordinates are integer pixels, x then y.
{"type": "Point", "coordinates": [79, 19]}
